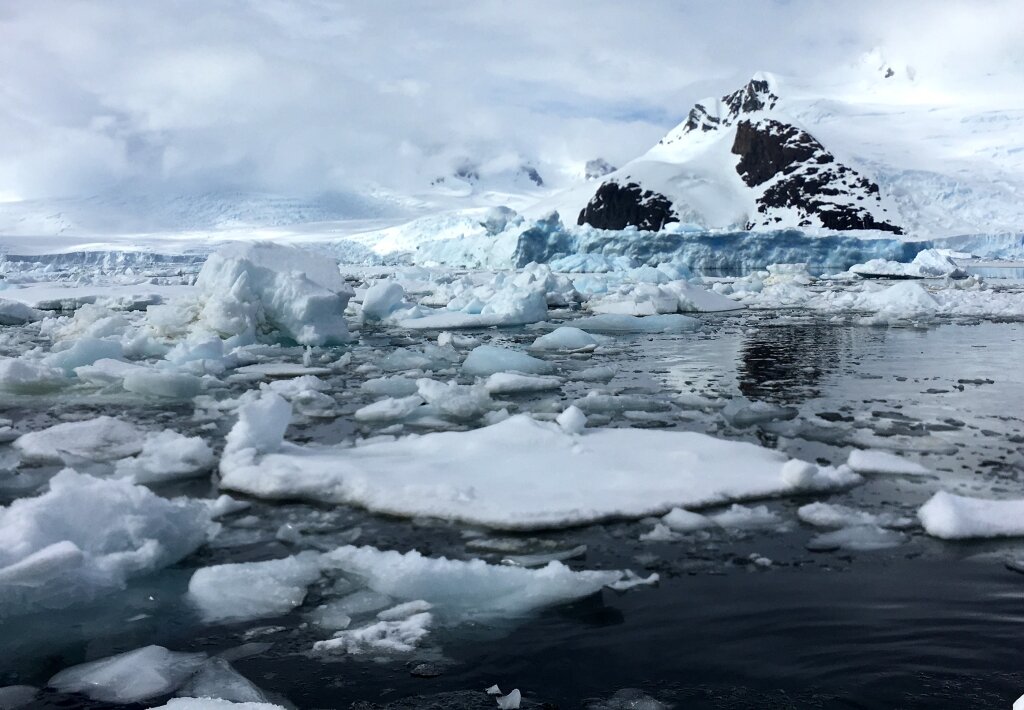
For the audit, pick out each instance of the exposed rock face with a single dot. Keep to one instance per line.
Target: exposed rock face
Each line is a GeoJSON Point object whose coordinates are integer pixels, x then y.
{"type": "Point", "coordinates": [597, 168]}
{"type": "Point", "coordinates": [616, 206]}
{"type": "Point", "coordinates": [800, 174]}
{"type": "Point", "coordinates": [755, 96]}
{"type": "Point", "coordinates": [531, 172]}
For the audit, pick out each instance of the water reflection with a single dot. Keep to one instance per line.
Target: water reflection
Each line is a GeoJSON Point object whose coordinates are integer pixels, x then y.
{"type": "Point", "coordinates": [786, 364]}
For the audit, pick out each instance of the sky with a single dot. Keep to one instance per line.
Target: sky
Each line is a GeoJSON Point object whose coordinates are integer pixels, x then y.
{"type": "Point", "coordinates": [310, 96]}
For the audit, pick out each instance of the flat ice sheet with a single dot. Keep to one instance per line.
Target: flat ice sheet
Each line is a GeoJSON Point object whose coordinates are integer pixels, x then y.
{"type": "Point", "coordinates": [521, 474]}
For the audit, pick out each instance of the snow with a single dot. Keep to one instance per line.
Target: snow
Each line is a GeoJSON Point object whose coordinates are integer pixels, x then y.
{"type": "Point", "coordinates": [486, 360]}
{"type": "Point", "coordinates": [87, 536]}
{"type": "Point", "coordinates": [927, 263]}
{"type": "Point", "coordinates": [131, 677]}
{"type": "Point", "coordinates": [572, 420]}
{"type": "Point", "coordinates": [253, 590]}
{"type": "Point", "coordinates": [872, 461]}
{"type": "Point", "coordinates": [596, 475]}
{"type": "Point", "coordinates": [954, 517]}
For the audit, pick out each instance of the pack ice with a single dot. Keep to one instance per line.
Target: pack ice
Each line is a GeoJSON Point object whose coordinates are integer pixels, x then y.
{"type": "Point", "coordinates": [519, 473]}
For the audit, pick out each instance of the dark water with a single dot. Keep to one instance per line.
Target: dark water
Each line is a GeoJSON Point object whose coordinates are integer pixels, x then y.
{"type": "Point", "coordinates": [927, 624]}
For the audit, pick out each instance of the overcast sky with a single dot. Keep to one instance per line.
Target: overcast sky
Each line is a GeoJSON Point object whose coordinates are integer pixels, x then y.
{"type": "Point", "coordinates": [305, 96]}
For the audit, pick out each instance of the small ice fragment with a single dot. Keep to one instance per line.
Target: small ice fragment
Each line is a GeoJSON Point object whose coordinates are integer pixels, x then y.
{"type": "Point", "coordinates": [130, 677]}
{"type": "Point", "coordinates": [631, 579]}
{"type": "Point", "coordinates": [572, 420]}
{"type": "Point", "coordinates": [680, 520]}
{"type": "Point", "coordinates": [510, 701]}
{"type": "Point", "coordinates": [872, 461]}
{"type": "Point", "coordinates": [493, 690]}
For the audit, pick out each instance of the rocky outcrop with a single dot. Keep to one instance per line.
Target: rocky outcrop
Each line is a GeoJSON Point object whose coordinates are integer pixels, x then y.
{"type": "Point", "coordinates": [616, 206]}
{"type": "Point", "coordinates": [756, 96]}
{"type": "Point", "coordinates": [799, 174]}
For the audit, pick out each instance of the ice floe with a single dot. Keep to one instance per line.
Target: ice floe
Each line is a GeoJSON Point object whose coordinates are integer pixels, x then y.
{"type": "Point", "coordinates": [486, 360]}
{"type": "Point", "coordinates": [477, 476]}
{"type": "Point", "coordinates": [252, 590]}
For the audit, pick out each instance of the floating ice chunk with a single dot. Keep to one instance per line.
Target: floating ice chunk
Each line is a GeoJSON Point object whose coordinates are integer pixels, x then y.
{"type": "Point", "coordinates": [572, 420]}
{"type": "Point", "coordinates": [100, 439]}
{"type": "Point", "coordinates": [742, 517]}
{"type": "Point", "coordinates": [466, 589]}
{"type": "Point", "coordinates": [246, 290]}
{"type": "Point", "coordinates": [598, 373]}
{"type": "Point", "coordinates": [872, 461]}
{"type": "Point", "coordinates": [131, 677]}
{"type": "Point", "coordinates": [512, 383]}
{"type": "Point", "coordinates": [667, 323]}
{"type": "Point", "coordinates": [543, 558]}
{"type": "Point", "coordinates": [457, 341]}
{"type": "Point", "coordinates": [680, 520]}
{"type": "Point", "coordinates": [693, 299]}
{"type": "Point", "coordinates": [404, 610]}
{"type": "Point", "coordinates": [83, 352]}
{"type": "Point", "coordinates": [24, 377]}
{"type": "Point", "coordinates": [568, 338]}
{"type": "Point", "coordinates": [260, 427]}
{"type": "Point", "coordinates": [217, 679]}
{"type": "Point", "coordinates": [510, 701]}
{"type": "Point", "coordinates": [660, 533]}
{"type": "Point", "coordinates": [455, 401]}
{"type": "Point", "coordinates": [758, 413]}
{"type": "Point", "coordinates": [862, 538]}
{"type": "Point", "coordinates": [18, 313]}
{"type": "Point", "coordinates": [828, 515]}
{"type": "Point", "coordinates": [382, 299]}
{"type": "Point", "coordinates": [389, 409]}
{"type": "Point", "coordinates": [596, 402]}
{"type": "Point", "coordinates": [808, 477]}
{"type": "Point", "coordinates": [393, 386]}
{"type": "Point", "coordinates": [361, 602]}
{"type": "Point", "coordinates": [478, 476]}
{"type": "Point", "coordinates": [224, 505]}
{"type": "Point", "coordinates": [398, 636]}
{"type": "Point", "coordinates": [107, 371]}
{"type": "Point", "coordinates": [253, 590]}
{"type": "Point", "coordinates": [214, 704]}
{"type": "Point", "coordinates": [631, 579]}
{"type": "Point", "coordinates": [167, 456]}
{"type": "Point", "coordinates": [281, 369]}
{"type": "Point", "coordinates": [162, 383]}
{"type": "Point", "coordinates": [493, 690]}
{"type": "Point", "coordinates": [954, 517]}
{"type": "Point", "coordinates": [488, 359]}
{"type": "Point", "coordinates": [296, 386]}
{"type": "Point", "coordinates": [87, 536]}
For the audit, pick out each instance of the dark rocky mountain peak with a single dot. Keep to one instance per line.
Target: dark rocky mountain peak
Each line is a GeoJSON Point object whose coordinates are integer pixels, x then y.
{"type": "Point", "coordinates": [616, 206]}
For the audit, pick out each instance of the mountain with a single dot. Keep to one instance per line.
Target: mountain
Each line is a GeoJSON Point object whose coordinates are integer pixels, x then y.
{"type": "Point", "coordinates": [876, 153]}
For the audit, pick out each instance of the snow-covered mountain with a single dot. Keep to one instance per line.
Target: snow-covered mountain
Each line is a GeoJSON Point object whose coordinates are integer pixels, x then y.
{"type": "Point", "coordinates": [879, 153]}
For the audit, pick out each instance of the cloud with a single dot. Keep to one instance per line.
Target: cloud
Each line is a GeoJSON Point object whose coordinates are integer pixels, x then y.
{"type": "Point", "coordinates": [307, 95]}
